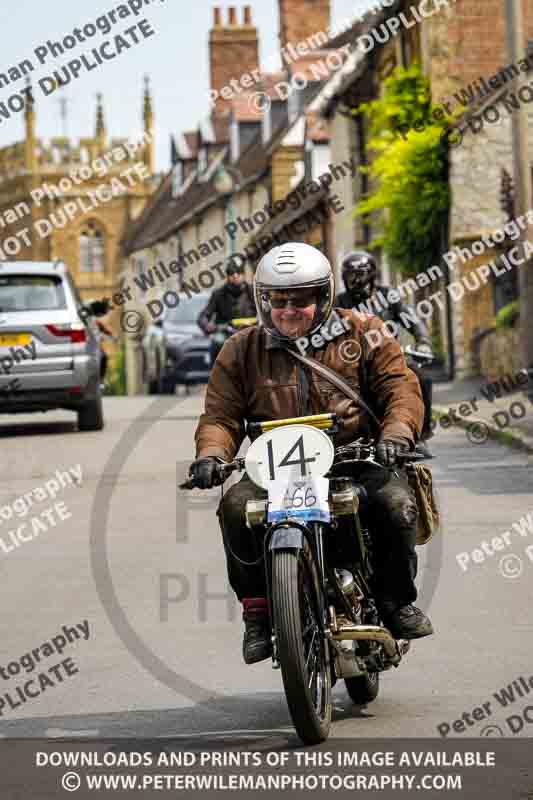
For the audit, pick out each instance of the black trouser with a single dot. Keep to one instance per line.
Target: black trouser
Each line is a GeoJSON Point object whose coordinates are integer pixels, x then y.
{"type": "Point", "coordinates": [426, 386]}
{"type": "Point", "coordinates": [391, 516]}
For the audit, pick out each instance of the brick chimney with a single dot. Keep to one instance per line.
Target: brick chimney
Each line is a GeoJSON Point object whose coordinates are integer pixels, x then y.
{"type": "Point", "coordinates": [300, 19]}
{"type": "Point", "coordinates": [233, 50]}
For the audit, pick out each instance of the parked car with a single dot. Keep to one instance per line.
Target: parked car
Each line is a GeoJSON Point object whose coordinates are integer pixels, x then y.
{"type": "Point", "coordinates": [50, 338]}
{"type": "Point", "coordinates": [175, 349]}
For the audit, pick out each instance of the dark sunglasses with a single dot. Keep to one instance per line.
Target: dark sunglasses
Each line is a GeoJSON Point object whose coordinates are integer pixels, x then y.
{"type": "Point", "coordinates": [298, 302]}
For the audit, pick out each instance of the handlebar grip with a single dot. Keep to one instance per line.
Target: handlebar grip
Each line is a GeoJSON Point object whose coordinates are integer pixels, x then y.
{"type": "Point", "coordinates": [223, 472]}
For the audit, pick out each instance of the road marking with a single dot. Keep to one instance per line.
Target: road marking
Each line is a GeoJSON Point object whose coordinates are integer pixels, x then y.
{"type": "Point", "coordinates": [59, 733]}
{"type": "Point", "coordinates": [249, 732]}
{"type": "Point", "coordinates": [487, 465]}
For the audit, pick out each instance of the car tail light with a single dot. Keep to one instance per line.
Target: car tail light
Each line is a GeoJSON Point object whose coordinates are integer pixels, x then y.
{"type": "Point", "coordinates": [73, 330]}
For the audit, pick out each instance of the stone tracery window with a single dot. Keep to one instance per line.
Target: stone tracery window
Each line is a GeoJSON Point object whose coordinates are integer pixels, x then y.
{"type": "Point", "coordinates": [92, 248]}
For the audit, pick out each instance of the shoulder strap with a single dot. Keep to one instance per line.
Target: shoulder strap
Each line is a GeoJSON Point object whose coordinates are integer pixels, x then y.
{"type": "Point", "coordinates": [337, 381]}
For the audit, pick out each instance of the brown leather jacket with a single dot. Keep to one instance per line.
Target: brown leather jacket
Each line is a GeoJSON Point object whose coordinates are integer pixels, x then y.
{"type": "Point", "coordinates": [254, 380]}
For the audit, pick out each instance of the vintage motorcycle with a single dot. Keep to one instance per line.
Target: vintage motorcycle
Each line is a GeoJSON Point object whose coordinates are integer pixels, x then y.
{"type": "Point", "coordinates": [317, 557]}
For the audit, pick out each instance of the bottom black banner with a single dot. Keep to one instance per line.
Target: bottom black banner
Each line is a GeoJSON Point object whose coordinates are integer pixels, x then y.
{"type": "Point", "coordinates": [235, 763]}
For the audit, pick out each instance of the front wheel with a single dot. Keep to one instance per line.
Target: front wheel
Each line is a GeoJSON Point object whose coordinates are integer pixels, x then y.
{"type": "Point", "coordinates": [302, 650]}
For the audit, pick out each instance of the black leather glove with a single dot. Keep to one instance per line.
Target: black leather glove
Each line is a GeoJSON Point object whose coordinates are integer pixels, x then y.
{"type": "Point", "coordinates": [387, 451]}
{"type": "Point", "coordinates": [205, 472]}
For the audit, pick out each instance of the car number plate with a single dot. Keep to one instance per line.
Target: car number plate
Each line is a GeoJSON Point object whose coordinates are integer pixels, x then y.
{"type": "Point", "coordinates": [306, 499]}
{"type": "Point", "coordinates": [12, 339]}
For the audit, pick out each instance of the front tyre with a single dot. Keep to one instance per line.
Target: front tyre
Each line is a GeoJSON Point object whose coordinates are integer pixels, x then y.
{"type": "Point", "coordinates": [302, 651]}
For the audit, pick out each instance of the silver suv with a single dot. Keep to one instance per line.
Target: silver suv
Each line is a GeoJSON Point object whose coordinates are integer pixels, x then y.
{"type": "Point", "coordinates": [49, 345]}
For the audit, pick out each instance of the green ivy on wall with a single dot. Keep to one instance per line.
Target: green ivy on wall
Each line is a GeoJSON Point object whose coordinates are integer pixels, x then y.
{"type": "Point", "coordinates": [116, 384]}
{"type": "Point", "coordinates": [409, 172]}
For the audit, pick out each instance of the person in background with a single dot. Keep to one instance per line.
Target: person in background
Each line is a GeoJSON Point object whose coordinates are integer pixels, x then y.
{"type": "Point", "coordinates": [232, 300]}
{"type": "Point", "coordinates": [104, 330]}
{"type": "Point", "coordinates": [359, 273]}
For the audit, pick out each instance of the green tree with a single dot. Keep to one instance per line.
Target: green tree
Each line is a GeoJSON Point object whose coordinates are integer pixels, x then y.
{"type": "Point", "coordinates": [409, 172]}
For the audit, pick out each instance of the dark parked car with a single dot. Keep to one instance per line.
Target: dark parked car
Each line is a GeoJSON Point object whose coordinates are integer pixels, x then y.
{"type": "Point", "coordinates": [175, 350]}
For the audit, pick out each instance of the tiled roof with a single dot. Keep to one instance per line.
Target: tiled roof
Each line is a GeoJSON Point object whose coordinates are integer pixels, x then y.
{"type": "Point", "coordinates": [165, 215]}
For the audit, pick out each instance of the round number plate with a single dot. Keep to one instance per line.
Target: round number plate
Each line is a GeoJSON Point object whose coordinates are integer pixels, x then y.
{"type": "Point", "coordinates": [290, 453]}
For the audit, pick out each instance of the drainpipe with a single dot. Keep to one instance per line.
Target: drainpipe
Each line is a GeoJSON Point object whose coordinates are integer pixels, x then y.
{"type": "Point", "coordinates": [449, 312]}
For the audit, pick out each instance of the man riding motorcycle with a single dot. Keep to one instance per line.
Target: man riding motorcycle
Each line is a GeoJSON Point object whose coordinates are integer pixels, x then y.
{"type": "Point", "coordinates": [255, 379]}
{"type": "Point", "coordinates": [359, 273]}
{"type": "Point", "coordinates": [234, 299]}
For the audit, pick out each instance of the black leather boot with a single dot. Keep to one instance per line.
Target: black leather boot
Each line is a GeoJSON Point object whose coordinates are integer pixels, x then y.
{"type": "Point", "coordinates": [257, 644]}
{"type": "Point", "coordinates": [407, 622]}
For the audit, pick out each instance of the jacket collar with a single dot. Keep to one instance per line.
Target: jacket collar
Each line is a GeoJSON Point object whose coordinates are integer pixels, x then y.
{"type": "Point", "coordinates": [271, 343]}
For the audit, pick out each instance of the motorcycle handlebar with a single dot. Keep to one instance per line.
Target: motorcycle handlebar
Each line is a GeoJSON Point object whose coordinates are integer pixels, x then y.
{"type": "Point", "coordinates": [223, 472]}
{"type": "Point", "coordinates": [418, 355]}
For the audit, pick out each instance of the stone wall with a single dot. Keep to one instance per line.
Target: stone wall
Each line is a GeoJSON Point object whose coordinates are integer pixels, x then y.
{"type": "Point", "coordinates": [500, 354]}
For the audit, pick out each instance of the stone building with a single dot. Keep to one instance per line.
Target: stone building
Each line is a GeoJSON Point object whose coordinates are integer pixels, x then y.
{"type": "Point", "coordinates": [72, 201]}
{"type": "Point", "coordinates": [462, 49]}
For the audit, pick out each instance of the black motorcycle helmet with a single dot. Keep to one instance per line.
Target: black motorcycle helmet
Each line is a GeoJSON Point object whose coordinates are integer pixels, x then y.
{"type": "Point", "coordinates": [359, 273]}
{"type": "Point", "coordinates": [232, 268]}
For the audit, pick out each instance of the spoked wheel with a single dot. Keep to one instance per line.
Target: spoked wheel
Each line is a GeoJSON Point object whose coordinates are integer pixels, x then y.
{"type": "Point", "coordinates": [302, 651]}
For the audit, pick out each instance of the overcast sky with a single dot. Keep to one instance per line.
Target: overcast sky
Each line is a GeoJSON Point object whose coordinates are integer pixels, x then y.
{"type": "Point", "coordinates": [176, 58]}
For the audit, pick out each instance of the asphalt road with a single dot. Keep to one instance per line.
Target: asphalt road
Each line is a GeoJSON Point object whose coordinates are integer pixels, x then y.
{"type": "Point", "coordinates": [158, 668]}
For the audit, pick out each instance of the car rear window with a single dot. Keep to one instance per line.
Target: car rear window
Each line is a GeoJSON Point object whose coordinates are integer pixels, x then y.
{"type": "Point", "coordinates": [31, 293]}
{"type": "Point", "coordinates": [186, 313]}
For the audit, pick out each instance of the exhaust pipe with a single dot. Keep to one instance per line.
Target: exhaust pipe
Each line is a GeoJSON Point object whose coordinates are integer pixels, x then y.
{"type": "Point", "coordinates": [374, 633]}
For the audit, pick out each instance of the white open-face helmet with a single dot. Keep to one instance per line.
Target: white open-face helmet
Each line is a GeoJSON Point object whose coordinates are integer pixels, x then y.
{"type": "Point", "coordinates": [293, 266]}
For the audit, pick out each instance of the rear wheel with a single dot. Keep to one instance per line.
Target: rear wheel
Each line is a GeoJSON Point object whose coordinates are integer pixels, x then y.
{"type": "Point", "coordinates": [91, 415]}
{"type": "Point", "coordinates": [302, 651]}
{"type": "Point", "coordinates": [363, 688]}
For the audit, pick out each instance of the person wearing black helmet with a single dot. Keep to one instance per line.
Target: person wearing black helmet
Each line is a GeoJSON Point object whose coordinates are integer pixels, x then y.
{"type": "Point", "coordinates": [359, 273]}
{"type": "Point", "coordinates": [232, 300]}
